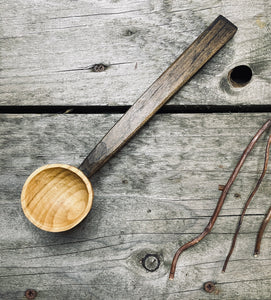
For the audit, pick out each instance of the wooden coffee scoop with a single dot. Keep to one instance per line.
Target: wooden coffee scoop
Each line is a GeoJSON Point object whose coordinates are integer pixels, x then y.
{"type": "Point", "coordinates": [57, 197]}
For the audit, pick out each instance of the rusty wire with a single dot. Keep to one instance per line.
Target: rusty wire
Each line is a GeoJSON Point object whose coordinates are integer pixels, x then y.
{"type": "Point", "coordinates": [261, 231]}
{"type": "Point", "coordinates": [221, 200]}
{"type": "Point", "coordinates": [247, 204]}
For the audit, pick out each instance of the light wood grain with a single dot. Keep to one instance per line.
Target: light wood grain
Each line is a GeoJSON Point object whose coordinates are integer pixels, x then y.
{"type": "Point", "coordinates": [56, 197]}
{"type": "Point", "coordinates": [48, 48]}
{"type": "Point", "coordinates": [154, 195]}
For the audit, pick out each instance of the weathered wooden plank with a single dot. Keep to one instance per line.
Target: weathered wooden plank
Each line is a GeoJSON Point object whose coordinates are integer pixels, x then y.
{"type": "Point", "coordinates": [47, 50]}
{"type": "Point", "coordinates": [155, 194]}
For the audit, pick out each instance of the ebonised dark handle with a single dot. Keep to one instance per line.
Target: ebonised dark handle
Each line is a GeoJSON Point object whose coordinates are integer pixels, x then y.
{"type": "Point", "coordinates": [184, 67]}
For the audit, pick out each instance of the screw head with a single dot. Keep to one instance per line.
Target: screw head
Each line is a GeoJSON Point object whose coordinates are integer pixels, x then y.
{"type": "Point", "coordinates": [151, 262]}
{"type": "Point", "coordinates": [99, 68]}
{"type": "Point", "coordinates": [30, 294]}
{"type": "Point", "coordinates": [209, 286]}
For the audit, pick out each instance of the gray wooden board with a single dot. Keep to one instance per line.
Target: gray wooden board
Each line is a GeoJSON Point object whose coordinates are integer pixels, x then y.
{"type": "Point", "coordinates": [157, 193]}
{"type": "Point", "coordinates": [47, 48]}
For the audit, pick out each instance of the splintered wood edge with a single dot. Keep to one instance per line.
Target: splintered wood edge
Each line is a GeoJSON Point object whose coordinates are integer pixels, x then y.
{"type": "Point", "coordinates": [76, 171]}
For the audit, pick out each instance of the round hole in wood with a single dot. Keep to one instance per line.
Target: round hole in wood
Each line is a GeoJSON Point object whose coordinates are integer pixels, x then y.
{"type": "Point", "coordinates": [56, 197]}
{"type": "Point", "coordinates": [240, 76]}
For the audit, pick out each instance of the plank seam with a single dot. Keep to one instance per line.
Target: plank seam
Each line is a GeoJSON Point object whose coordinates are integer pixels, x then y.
{"type": "Point", "coordinates": [95, 109]}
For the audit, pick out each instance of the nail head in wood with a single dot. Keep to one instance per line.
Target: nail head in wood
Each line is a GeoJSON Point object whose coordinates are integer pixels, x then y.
{"type": "Point", "coordinates": [209, 286]}
{"type": "Point", "coordinates": [30, 294]}
{"type": "Point", "coordinates": [151, 262]}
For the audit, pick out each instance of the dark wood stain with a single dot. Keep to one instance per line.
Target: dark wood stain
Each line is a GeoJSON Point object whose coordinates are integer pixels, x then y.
{"type": "Point", "coordinates": [180, 71]}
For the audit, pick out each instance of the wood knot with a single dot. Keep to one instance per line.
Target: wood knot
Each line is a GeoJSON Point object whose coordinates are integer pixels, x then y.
{"type": "Point", "coordinates": [129, 32]}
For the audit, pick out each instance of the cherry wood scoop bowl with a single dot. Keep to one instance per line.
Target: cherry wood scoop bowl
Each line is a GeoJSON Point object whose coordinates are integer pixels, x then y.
{"type": "Point", "coordinates": [57, 197]}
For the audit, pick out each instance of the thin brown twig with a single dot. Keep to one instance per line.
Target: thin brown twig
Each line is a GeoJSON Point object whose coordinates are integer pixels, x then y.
{"type": "Point", "coordinates": [261, 231]}
{"type": "Point", "coordinates": [220, 202]}
{"type": "Point", "coordinates": [247, 204]}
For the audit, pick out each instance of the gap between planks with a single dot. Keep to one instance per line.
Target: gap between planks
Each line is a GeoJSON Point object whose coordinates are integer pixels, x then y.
{"type": "Point", "coordinates": [95, 109]}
